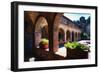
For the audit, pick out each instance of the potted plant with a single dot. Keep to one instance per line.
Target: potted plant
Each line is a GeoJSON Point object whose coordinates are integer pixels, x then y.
{"type": "Point", "coordinates": [76, 50]}
{"type": "Point", "coordinates": [44, 43]}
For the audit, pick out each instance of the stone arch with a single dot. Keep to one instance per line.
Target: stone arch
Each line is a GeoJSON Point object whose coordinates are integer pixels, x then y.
{"type": "Point", "coordinates": [56, 32]}
{"type": "Point", "coordinates": [45, 32]}
{"type": "Point", "coordinates": [76, 37]}
{"type": "Point", "coordinates": [40, 26]}
{"type": "Point", "coordinates": [73, 36]}
{"type": "Point", "coordinates": [79, 35]}
{"type": "Point", "coordinates": [61, 34]}
{"type": "Point", "coordinates": [61, 37]}
{"type": "Point", "coordinates": [68, 36]}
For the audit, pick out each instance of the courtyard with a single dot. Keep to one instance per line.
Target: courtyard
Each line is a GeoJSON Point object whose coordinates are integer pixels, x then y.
{"type": "Point", "coordinates": [54, 27]}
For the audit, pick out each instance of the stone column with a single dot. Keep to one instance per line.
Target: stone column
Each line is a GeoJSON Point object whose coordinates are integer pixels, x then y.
{"type": "Point", "coordinates": [70, 36]}
{"type": "Point", "coordinates": [37, 38]}
{"type": "Point", "coordinates": [65, 36]}
{"type": "Point", "coordinates": [77, 36]}
{"type": "Point", "coordinates": [55, 33]}
{"type": "Point", "coordinates": [55, 41]}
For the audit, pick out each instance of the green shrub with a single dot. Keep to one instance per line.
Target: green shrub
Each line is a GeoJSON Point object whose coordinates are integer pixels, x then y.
{"type": "Point", "coordinates": [76, 45]}
{"type": "Point", "coordinates": [44, 41]}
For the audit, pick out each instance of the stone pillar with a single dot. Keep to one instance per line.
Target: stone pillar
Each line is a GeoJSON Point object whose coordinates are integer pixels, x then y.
{"type": "Point", "coordinates": [74, 36]}
{"type": "Point", "coordinates": [70, 36]}
{"type": "Point", "coordinates": [37, 38]}
{"type": "Point", "coordinates": [55, 41]}
{"type": "Point", "coordinates": [65, 36]}
{"type": "Point", "coordinates": [77, 36]}
{"type": "Point", "coordinates": [55, 32]}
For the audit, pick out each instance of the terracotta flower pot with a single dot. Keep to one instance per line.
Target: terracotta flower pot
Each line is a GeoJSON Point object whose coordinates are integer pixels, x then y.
{"type": "Point", "coordinates": [44, 46]}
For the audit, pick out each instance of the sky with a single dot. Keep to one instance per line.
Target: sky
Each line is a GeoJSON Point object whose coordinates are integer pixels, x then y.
{"type": "Point", "coordinates": [76, 16]}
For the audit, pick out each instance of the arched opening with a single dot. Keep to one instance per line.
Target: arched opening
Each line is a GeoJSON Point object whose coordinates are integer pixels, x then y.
{"type": "Point", "coordinates": [76, 36]}
{"type": "Point", "coordinates": [45, 32]}
{"type": "Point", "coordinates": [79, 36]}
{"type": "Point", "coordinates": [68, 36]}
{"type": "Point", "coordinates": [41, 30]}
{"type": "Point", "coordinates": [61, 37]}
{"type": "Point", "coordinates": [73, 36]}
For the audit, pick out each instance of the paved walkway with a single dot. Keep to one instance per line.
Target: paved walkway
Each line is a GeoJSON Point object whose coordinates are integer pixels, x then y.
{"type": "Point", "coordinates": [62, 51]}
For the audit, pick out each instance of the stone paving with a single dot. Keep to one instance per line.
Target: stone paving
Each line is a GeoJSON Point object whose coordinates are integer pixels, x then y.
{"type": "Point", "coordinates": [62, 52]}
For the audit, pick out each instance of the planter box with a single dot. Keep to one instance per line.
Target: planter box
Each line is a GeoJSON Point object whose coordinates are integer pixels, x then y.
{"type": "Point", "coordinates": [76, 54]}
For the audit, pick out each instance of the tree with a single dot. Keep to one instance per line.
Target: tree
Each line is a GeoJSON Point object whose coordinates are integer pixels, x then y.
{"type": "Point", "coordinates": [82, 19]}
{"type": "Point", "coordinates": [84, 36]}
{"type": "Point", "coordinates": [84, 25]}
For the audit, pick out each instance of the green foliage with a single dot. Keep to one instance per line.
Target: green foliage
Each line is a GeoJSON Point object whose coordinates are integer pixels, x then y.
{"type": "Point", "coordinates": [84, 47]}
{"type": "Point", "coordinates": [75, 45]}
{"type": "Point", "coordinates": [72, 45]}
{"type": "Point", "coordinates": [84, 36]}
{"type": "Point", "coordinates": [44, 41]}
